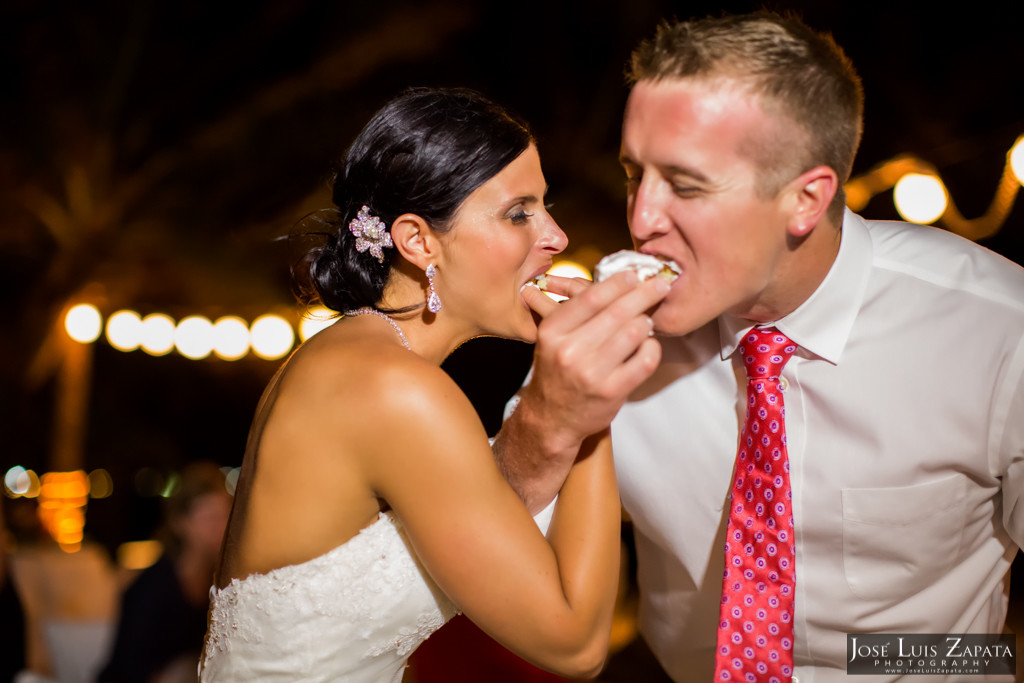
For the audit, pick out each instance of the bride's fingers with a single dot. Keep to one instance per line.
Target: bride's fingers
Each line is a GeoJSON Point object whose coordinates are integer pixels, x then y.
{"type": "Point", "coordinates": [539, 302]}
{"type": "Point", "coordinates": [600, 310]}
{"type": "Point", "coordinates": [567, 286]}
{"type": "Point", "coordinates": [632, 307]}
{"type": "Point", "coordinates": [629, 375]}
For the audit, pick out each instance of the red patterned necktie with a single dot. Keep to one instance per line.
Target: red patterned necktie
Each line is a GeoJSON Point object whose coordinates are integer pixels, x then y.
{"type": "Point", "coordinates": [755, 629]}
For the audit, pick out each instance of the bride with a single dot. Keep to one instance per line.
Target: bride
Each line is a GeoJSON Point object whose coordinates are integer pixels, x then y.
{"type": "Point", "coordinates": [370, 509]}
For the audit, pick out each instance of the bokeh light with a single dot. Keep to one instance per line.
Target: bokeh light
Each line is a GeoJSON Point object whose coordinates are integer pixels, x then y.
{"type": "Point", "coordinates": [83, 323]}
{"type": "Point", "coordinates": [62, 500]}
{"type": "Point", "coordinates": [231, 475]}
{"type": "Point", "coordinates": [230, 338]}
{"type": "Point", "coordinates": [314, 320]}
{"type": "Point", "coordinates": [567, 268]}
{"type": "Point", "coordinates": [1017, 159]}
{"type": "Point", "coordinates": [272, 336]}
{"type": "Point", "coordinates": [137, 555]}
{"type": "Point", "coordinates": [124, 330]}
{"type": "Point", "coordinates": [193, 337]}
{"type": "Point", "coordinates": [149, 482]}
{"type": "Point", "coordinates": [101, 484]}
{"type": "Point", "coordinates": [17, 482]}
{"type": "Point", "coordinates": [157, 334]}
{"type": "Point", "coordinates": [171, 485]}
{"type": "Point", "coordinates": [920, 198]}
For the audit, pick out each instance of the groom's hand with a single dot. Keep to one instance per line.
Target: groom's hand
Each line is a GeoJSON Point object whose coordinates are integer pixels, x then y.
{"type": "Point", "coordinates": [592, 351]}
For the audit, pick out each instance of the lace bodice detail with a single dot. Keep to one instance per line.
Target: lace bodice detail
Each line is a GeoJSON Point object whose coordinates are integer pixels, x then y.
{"type": "Point", "coordinates": [353, 614]}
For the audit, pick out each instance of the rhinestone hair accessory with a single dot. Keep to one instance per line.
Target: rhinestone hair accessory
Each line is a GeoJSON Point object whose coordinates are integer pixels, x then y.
{"type": "Point", "coordinates": [371, 233]}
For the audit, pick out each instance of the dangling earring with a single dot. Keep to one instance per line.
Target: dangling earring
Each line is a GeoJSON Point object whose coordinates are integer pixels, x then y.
{"type": "Point", "coordinates": [433, 300]}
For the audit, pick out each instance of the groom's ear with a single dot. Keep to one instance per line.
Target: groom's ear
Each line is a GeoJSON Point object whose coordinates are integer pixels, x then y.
{"type": "Point", "coordinates": [415, 240]}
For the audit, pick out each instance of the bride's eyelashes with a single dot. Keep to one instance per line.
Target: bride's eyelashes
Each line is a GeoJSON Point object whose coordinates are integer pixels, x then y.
{"type": "Point", "coordinates": [520, 217]}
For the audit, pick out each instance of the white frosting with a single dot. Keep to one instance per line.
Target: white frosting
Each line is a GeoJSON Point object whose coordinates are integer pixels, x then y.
{"type": "Point", "coordinates": [645, 265]}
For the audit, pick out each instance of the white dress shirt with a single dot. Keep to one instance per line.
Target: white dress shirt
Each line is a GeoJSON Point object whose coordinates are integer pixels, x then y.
{"type": "Point", "coordinates": [905, 428]}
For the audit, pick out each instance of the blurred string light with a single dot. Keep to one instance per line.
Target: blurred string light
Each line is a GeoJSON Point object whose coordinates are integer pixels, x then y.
{"type": "Point", "coordinates": [21, 483]}
{"type": "Point", "coordinates": [193, 337]}
{"type": "Point", "coordinates": [272, 336]}
{"type": "Point", "coordinates": [316, 319]}
{"type": "Point", "coordinates": [1017, 160]}
{"type": "Point", "coordinates": [920, 197]}
{"type": "Point", "coordinates": [62, 498]}
{"type": "Point", "coordinates": [157, 334]}
{"type": "Point", "coordinates": [83, 323]}
{"type": "Point", "coordinates": [124, 330]}
{"type": "Point", "coordinates": [567, 268]}
{"type": "Point", "coordinates": [230, 338]}
{"type": "Point", "coordinates": [919, 194]}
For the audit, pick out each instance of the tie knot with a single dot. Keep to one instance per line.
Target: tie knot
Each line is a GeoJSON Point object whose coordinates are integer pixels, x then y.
{"type": "Point", "coordinates": [765, 352]}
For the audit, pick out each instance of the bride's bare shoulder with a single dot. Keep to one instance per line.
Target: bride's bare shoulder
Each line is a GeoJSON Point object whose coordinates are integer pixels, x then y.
{"type": "Point", "coordinates": [364, 375]}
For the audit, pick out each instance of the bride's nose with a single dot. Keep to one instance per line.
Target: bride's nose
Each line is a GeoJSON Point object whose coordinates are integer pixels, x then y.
{"type": "Point", "coordinates": [552, 239]}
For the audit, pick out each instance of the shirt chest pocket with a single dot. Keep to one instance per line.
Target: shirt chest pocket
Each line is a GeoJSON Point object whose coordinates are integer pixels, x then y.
{"type": "Point", "coordinates": [896, 540]}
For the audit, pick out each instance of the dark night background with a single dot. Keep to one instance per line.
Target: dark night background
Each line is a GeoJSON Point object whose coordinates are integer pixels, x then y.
{"type": "Point", "coordinates": [151, 151]}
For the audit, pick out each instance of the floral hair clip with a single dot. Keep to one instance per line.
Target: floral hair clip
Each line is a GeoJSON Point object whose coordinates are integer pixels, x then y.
{"type": "Point", "coordinates": [371, 233]}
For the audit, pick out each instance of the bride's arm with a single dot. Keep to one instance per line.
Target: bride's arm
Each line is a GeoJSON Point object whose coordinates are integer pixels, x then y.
{"type": "Point", "coordinates": [548, 600]}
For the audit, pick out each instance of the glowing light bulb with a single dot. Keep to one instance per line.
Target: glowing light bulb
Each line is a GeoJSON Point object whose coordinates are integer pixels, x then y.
{"type": "Point", "coordinates": [124, 330]}
{"type": "Point", "coordinates": [230, 338]}
{"type": "Point", "coordinates": [272, 336]}
{"type": "Point", "coordinates": [314, 320]}
{"type": "Point", "coordinates": [83, 323]}
{"type": "Point", "coordinates": [1017, 159]}
{"type": "Point", "coordinates": [568, 268]}
{"type": "Point", "coordinates": [193, 337]}
{"type": "Point", "coordinates": [101, 484]}
{"type": "Point", "coordinates": [16, 481]}
{"type": "Point", "coordinates": [920, 198]}
{"type": "Point", "coordinates": [157, 334]}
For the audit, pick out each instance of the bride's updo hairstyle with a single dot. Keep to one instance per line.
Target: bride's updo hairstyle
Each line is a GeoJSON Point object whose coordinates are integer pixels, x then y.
{"type": "Point", "coordinates": [423, 153]}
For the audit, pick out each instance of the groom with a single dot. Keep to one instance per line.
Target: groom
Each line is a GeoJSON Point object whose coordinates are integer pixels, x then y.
{"type": "Point", "coordinates": [903, 431]}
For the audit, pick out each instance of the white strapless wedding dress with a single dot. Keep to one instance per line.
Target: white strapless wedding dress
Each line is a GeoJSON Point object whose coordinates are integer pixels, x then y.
{"type": "Point", "coordinates": [354, 614]}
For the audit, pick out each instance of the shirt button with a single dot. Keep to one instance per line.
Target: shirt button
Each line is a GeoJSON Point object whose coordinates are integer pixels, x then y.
{"type": "Point", "coordinates": [783, 385]}
{"type": "Point", "coordinates": [796, 680]}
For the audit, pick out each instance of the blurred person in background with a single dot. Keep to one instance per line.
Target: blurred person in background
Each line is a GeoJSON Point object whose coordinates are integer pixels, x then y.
{"type": "Point", "coordinates": [163, 612]}
{"type": "Point", "coordinates": [12, 616]}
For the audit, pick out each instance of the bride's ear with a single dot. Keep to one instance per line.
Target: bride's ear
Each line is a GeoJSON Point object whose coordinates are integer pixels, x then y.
{"type": "Point", "coordinates": [415, 240]}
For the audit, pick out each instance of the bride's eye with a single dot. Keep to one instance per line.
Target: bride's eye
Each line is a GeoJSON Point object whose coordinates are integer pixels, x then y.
{"type": "Point", "coordinates": [520, 217]}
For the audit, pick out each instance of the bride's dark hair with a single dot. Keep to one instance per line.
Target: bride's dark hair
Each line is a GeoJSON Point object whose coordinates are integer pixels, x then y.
{"type": "Point", "coordinates": [423, 152]}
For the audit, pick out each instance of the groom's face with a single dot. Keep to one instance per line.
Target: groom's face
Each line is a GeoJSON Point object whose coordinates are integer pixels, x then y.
{"type": "Point", "coordinates": [693, 197]}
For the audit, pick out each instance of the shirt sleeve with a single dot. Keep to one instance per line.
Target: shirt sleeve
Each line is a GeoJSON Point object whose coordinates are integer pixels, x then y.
{"type": "Point", "coordinates": [1009, 435]}
{"type": "Point", "coordinates": [542, 518]}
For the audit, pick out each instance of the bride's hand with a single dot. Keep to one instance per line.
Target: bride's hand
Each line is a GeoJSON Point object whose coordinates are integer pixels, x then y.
{"type": "Point", "coordinates": [592, 351]}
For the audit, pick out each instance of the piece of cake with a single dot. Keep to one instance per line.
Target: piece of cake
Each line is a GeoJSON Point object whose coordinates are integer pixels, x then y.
{"type": "Point", "coordinates": [645, 266]}
{"type": "Point", "coordinates": [540, 282]}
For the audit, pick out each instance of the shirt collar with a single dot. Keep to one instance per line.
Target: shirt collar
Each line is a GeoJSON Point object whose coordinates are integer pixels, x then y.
{"type": "Point", "coordinates": [821, 325]}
